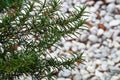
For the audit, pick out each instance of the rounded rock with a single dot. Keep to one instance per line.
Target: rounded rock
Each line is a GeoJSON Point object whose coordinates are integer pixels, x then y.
{"type": "Point", "coordinates": [99, 74]}
{"type": "Point", "coordinates": [111, 7]}
{"type": "Point", "coordinates": [91, 69]}
{"type": "Point", "coordinates": [64, 73]}
{"type": "Point", "coordinates": [83, 37]}
{"type": "Point", "coordinates": [103, 13]}
{"type": "Point", "coordinates": [77, 77]}
{"type": "Point", "coordinates": [93, 30]}
{"type": "Point", "coordinates": [100, 32]}
{"type": "Point", "coordinates": [67, 45]}
{"type": "Point", "coordinates": [93, 38]}
{"type": "Point", "coordinates": [115, 78]}
{"type": "Point", "coordinates": [108, 34]}
{"type": "Point", "coordinates": [74, 48]}
{"type": "Point", "coordinates": [83, 72]}
{"type": "Point", "coordinates": [104, 67]}
{"type": "Point", "coordinates": [117, 16]}
{"type": "Point", "coordinates": [114, 23]}
{"type": "Point", "coordinates": [93, 9]}
{"type": "Point", "coordinates": [116, 44]}
{"type": "Point", "coordinates": [108, 18]}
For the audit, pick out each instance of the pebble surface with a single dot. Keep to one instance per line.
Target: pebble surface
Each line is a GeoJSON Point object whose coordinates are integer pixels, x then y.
{"type": "Point", "coordinates": [101, 43]}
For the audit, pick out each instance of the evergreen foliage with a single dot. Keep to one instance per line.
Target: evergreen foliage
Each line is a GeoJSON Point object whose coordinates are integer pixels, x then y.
{"type": "Point", "coordinates": [27, 30]}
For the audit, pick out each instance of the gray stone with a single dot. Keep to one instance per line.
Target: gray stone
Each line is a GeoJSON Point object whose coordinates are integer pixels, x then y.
{"type": "Point", "coordinates": [113, 71]}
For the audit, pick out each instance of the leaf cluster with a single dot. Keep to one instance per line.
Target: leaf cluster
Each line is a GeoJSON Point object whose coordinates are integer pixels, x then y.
{"type": "Point", "coordinates": [27, 29]}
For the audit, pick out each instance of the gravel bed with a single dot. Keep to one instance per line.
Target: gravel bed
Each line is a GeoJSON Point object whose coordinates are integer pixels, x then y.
{"type": "Point", "coordinates": [101, 43]}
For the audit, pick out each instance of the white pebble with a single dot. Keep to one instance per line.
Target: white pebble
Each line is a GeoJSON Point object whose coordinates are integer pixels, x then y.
{"type": "Point", "coordinates": [117, 52]}
{"type": "Point", "coordinates": [67, 79]}
{"type": "Point", "coordinates": [99, 74]}
{"type": "Point", "coordinates": [117, 60]}
{"type": "Point", "coordinates": [83, 37]}
{"type": "Point", "coordinates": [71, 9]}
{"type": "Point", "coordinates": [94, 30]}
{"type": "Point", "coordinates": [90, 2]}
{"type": "Point", "coordinates": [110, 1]}
{"type": "Point", "coordinates": [115, 34]}
{"type": "Point", "coordinates": [97, 6]}
{"type": "Point", "coordinates": [67, 45]}
{"type": "Point", "coordinates": [116, 44]}
{"type": "Point", "coordinates": [23, 12]}
{"type": "Point", "coordinates": [74, 48]}
{"type": "Point", "coordinates": [98, 62]}
{"type": "Point", "coordinates": [108, 34]}
{"type": "Point", "coordinates": [104, 67]}
{"type": "Point", "coordinates": [77, 77]}
{"type": "Point", "coordinates": [108, 18]}
{"type": "Point", "coordinates": [114, 22]}
{"type": "Point", "coordinates": [81, 46]}
{"type": "Point", "coordinates": [99, 3]}
{"type": "Point", "coordinates": [91, 69]}
{"type": "Point", "coordinates": [90, 54]}
{"type": "Point", "coordinates": [64, 73]}
{"type": "Point", "coordinates": [100, 32]}
{"type": "Point", "coordinates": [117, 16]}
{"type": "Point", "coordinates": [93, 38]}
{"type": "Point", "coordinates": [103, 13]}
{"type": "Point", "coordinates": [115, 78]}
{"type": "Point", "coordinates": [19, 48]}
{"type": "Point", "coordinates": [86, 76]}
{"type": "Point", "coordinates": [60, 78]}
{"type": "Point", "coordinates": [93, 9]}
{"type": "Point", "coordinates": [111, 7]}
{"type": "Point", "coordinates": [110, 62]}
{"type": "Point", "coordinates": [83, 72]}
